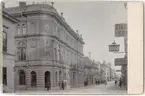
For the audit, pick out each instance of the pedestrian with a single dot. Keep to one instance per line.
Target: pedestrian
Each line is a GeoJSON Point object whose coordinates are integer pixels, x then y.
{"type": "Point", "coordinates": [115, 82]}
{"type": "Point", "coordinates": [120, 83]}
{"type": "Point", "coordinates": [65, 84]}
{"type": "Point", "coordinates": [62, 85]}
{"type": "Point", "coordinates": [96, 82]}
{"type": "Point", "coordinates": [48, 86]}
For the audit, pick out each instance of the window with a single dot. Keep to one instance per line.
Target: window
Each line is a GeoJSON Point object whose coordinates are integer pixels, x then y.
{"type": "Point", "coordinates": [66, 55]}
{"type": "Point", "coordinates": [4, 42]}
{"type": "Point", "coordinates": [55, 50]}
{"type": "Point", "coordinates": [21, 51]}
{"type": "Point", "coordinates": [24, 29]}
{"type": "Point", "coordinates": [57, 53]}
{"type": "Point", "coordinates": [56, 78]}
{"type": "Point", "coordinates": [4, 75]}
{"type": "Point", "coordinates": [18, 30]}
{"type": "Point", "coordinates": [22, 77]}
{"type": "Point", "coordinates": [58, 50]}
{"type": "Point", "coordinates": [59, 76]}
{"type": "Point", "coordinates": [33, 79]}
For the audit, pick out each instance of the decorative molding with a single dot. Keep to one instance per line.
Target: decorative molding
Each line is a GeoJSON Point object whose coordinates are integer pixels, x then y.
{"type": "Point", "coordinates": [55, 15]}
{"type": "Point", "coordinates": [5, 53]}
{"type": "Point", "coordinates": [52, 36]}
{"type": "Point", "coordinates": [46, 28]}
{"type": "Point", "coordinates": [34, 22]}
{"type": "Point", "coordinates": [33, 43]}
{"type": "Point", "coordinates": [5, 26]}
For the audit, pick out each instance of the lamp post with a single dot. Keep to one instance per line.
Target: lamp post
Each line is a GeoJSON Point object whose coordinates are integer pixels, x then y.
{"type": "Point", "coordinates": [114, 47]}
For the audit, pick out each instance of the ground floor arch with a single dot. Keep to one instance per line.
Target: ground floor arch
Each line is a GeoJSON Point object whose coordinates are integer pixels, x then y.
{"type": "Point", "coordinates": [47, 78]}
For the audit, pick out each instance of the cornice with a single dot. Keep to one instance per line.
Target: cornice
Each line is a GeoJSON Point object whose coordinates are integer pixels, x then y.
{"type": "Point", "coordinates": [5, 53]}
{"type": "Point", "coordinates": [57, 17]}
{"type": "Point", "coordinates": [8, 16]}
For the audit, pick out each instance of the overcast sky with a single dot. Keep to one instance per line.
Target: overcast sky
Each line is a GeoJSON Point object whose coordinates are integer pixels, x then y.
{"type": "Point", "coordinates": [95, 21]}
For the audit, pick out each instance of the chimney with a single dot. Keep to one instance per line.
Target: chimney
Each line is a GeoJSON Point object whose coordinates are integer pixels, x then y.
{"type": "Point", "coordinates": [3, 4]}
{"type": "Point", "coordinates": [61, 14]}
{"type": "Point", "coordinates": [22, 4]}
{"type": "Point", "coordinates": [52, 3]}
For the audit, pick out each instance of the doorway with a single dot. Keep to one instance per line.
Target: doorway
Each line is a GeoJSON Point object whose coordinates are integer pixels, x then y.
{"type": "Point", "coordinates": [47, 78]}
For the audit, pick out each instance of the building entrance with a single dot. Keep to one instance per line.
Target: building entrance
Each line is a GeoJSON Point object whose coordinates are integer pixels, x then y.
{"type": "Point", "coordinates": [47, 78]}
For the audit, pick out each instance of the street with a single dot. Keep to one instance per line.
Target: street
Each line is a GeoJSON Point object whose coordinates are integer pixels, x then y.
{"type": "Point", "coordinates": [110, 88]}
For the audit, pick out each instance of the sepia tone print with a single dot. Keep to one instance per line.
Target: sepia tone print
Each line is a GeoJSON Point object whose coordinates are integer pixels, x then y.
{"type": "Point", "coordinates": [43, 53]}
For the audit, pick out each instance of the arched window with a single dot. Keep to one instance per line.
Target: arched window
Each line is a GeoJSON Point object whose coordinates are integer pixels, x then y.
{"type": "Point", "coordinates": [18, 30]}
{"type": "Point", "coordinates": [33, 78]}
{"type": "Point", "coordinates": [21, 51]}
{"type": "Point", "coordinates": [22, 77]}
{"type": "Point", "coordinates": [24, 29]}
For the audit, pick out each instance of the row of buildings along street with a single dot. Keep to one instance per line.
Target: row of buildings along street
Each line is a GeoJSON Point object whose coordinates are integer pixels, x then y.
{"type": "Point", "coordinates": [40, 48]}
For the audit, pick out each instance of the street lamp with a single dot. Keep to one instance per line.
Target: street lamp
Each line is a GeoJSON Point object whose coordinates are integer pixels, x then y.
{"type": "Point", "coordinates": [114, 47]}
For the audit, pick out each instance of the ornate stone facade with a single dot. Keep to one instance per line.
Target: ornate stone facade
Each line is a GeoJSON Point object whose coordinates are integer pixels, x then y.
{"type": "Point", "coordinates": [47, 49]}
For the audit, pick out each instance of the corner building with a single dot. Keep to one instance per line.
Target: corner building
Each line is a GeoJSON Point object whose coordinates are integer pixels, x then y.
{"type": "Point", "coordinates": [47, 49]}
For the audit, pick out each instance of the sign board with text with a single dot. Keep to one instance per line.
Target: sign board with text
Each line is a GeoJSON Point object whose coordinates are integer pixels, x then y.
{"type": "Point", "coordinates": [120, 61]}
{"type": "Point", "coordinates": [121, 30]}
{"type": "Point", "coordinates": [114, 48]}
{"type": "Point", "coordinates": [118, 70]}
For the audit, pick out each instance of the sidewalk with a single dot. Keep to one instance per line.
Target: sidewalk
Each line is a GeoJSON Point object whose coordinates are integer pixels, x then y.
{"type": "Point", "coordinates": [110, 88]}
{"type": "Point", "coordinates": [54, 91]}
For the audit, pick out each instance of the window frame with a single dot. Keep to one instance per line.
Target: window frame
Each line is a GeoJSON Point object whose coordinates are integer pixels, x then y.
{"type": "Point", "coordinates": [5, 75]}
{"type": "Point", "coordinates": [24, 29]}
{"type": "Point", "coordinates": [5, 42]}
{"type": "Point", "coordinates": [21, 51]}
{"type": "Point", "coordinates": [19, 30]}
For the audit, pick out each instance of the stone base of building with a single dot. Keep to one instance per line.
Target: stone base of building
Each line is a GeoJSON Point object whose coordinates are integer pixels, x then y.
{"type": "Point", "coordinates": [21, 88]}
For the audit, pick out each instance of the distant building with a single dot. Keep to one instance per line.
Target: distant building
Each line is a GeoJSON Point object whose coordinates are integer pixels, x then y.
{"type": "Point", "coordinates": [92, 72]}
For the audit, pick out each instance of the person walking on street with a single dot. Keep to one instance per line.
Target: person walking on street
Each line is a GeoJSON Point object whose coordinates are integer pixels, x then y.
{"type": "Point", "coordinates": [120, 83]}
{"type": "Point", "coordinates": [115, 82]}
{"type": "Point", "coordinates": [62, 85]}
{"type": "Point", "coordinates": [48, 86]}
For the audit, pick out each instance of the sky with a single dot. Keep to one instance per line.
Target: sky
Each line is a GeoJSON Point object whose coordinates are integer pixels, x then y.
{"type": "Point", "coordinates": [96, 22]}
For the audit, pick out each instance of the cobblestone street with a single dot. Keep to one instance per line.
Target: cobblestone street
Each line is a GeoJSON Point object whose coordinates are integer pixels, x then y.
{"type": "Point", "coordinates": [110, 88]}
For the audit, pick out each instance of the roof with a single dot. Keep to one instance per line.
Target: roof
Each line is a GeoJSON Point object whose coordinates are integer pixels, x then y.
{"type": "Point", "coordinates": [43, 9]}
